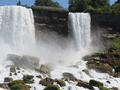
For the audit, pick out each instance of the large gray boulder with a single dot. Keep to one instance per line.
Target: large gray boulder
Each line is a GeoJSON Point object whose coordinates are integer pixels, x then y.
{"type": "Point", "coordinates": [16, 59]}
{"type": "Point", "coordinates": [30, 62]}
{"type": "Point", "coordinates": [26, 61]}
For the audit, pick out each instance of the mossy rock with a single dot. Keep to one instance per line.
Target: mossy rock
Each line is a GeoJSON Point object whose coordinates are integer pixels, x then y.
{"type": "Point", "coordinates": [52, 87]}
{"type": "Point", "coordinates": [85, 85]}
{"type": "Point", "coordinates": [95, 83]}
{"type": "Point", "coordinates": [18, 85]}
{"type": "Point", "coordinates": [44, 69]}
{"type": "Point", "coordinates": [8, 79]}
{"type": "Point", "coordinates": [39, 76]}
{"type": "Point", "coordinates": [103, 88]}
{"type": "Point", "coordinates": [28, 79]}
{"type": "Point", "coordinates": [60, 82]}
{"type": "Point", "coordinates": [46, 81]}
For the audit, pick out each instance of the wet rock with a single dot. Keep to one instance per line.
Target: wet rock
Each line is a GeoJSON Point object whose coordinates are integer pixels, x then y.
{"type": "Point", "coordinates": [28, 79]}
{"type": "Point", "coordinates": [95, 83]}
{"type": "Point", "coordinates": [114, 88]}
{"type": "Point", "coordinates": [3, 85]}
{"type": "Point", "coordinates": [44, 69]}
{"type": "Point", "coordinates": [85, 85]}
{"type": "Point", "coordinates": [26, 61]}
{"type": "Point", "coordinates": [8, 79]}
{"type": "Point", "coordinates": [69, 76]}
{"type": "Point", "coordinates": [30, 62]}
{"type": "Point", "coordinates": [52, 87]}
{"type": "Point", "coordinates": [60, 82]}
{"type": "Point", "coordinates": [117, 69]}
{"type": "Point", "coordinates": [18, 85]}
{"type": "Point", "coordinates": [39, 76]}
{"type": "Point", "coordinates": [86, 71]}
{"type": "Point", "coordinates": [15, 58]}
{"type": "Point", "coordinates": [103, 88]}
{"type": "Point", "coordinates": [12, 69]}
{"type": "Point", "coordinates": [46, 81]}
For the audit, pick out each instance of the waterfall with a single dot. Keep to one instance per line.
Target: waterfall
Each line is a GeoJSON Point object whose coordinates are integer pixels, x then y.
{"type": "Point", "coordinates": [79, 26]}
{"type": "Point", "coordinates": [16, 26]}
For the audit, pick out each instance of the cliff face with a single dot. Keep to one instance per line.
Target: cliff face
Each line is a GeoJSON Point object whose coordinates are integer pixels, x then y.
{"type": "Point", "coordinates": [106, 27]}
{"type": "Point", "coordinates": [106, 21]}
{"type": "Point", "coordinates": [51, 21]}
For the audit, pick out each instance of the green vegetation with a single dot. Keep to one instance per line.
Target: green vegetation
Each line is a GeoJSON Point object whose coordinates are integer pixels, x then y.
{"type": "Point", "coordinates": [94, 6]}
{"type": "Point", "coordinates": [52, 87]}
{"type": "Point", "coordinates": [116, 44]}
{"type": "Point", "coordinates": [18, 85]}
{"type": "Point", "coordinates": [48, 3]}
{"type": "Point", "coordinates": [95, 83]}
{"type": "Point", "coordinates": [48, 9]}
{"type": "Point", "coordinates": [103, 88]}
{"type": "Point", "coordinates": [19, 3]}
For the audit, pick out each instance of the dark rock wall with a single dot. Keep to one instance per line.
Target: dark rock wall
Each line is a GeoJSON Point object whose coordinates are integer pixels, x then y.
{"type": "Point", "coordinates": [51, 21]}
{"type": "Point", "coordinates": [105, 28]}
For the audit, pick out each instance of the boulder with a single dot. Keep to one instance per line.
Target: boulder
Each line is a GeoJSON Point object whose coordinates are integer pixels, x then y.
{"type": "Point", "coordinates": [69, 76]}
{"type": "Point", "coordinates": [46, 81]}
{"type": "Point", "coordinates": [30, 62]}
{"type": "Point", "coordinates": [95, 83]}
{"type": "Point", "coordinates": [44, 69]}
{"type": "Point", "coordinates": [13, 70]}
{"type": "Point", "coordinates": [18, 85]}
{"type": "Point", "coordinates": [39, 76]}
{"type": "Point", "coordinates": [60, 82]}
{"type": "Point", "coordinates": [52, 87]}
{"type": "Point", "coordinates": [3, 85]}
{"type": "Point", "coordinates": [86, 71]}
{"type": "Point", "coordinates": [28, 79]}
{"type": "Point", "coordinates": [8, 79]}
{"type": "Point", "coordinates": [26, 61]}
{"type": "Point", "coordinates": [15, 58]}
{"type": "Point", "coordinates": [85, 85]}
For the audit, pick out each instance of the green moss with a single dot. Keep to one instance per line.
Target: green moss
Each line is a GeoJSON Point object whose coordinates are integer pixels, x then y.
{"type": "Point", "coordinates": [18, 85]}
{"type": "Point", "coordinates": [95, 83]}
{"type": "Point", "coordinates": [103, 88]}
{"type": "Point", "coordinates": [116, 43]}
{"type": "Point", "coordinates": [101, 66]}
{"type": "Point", "coordinates": [52, 87]}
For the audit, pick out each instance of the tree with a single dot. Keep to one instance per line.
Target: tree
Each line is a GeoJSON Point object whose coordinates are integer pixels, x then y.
{"type": "Point", "coordinates": [83, 5]}
{"type": "Point", "coordinates": [19, 3]}
{"type": "Point", "coordinates": [118, 1]}
{"type": "Point", "coordinates": [48, 3]}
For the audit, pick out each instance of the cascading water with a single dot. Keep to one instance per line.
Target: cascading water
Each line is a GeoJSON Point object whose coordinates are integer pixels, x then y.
{"type": "Point", "coordinates": [79, 25]}
{"type": "Point", "coordinates": [17, 32]}
{"type": "Point", "coordinates": [16, 27]}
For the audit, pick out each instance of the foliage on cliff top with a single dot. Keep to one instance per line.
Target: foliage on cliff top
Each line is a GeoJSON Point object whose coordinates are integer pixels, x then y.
{"type": "Point", "coordinates": [48, 3]}
{"type": "Point", "coordinates": [94, 6]}
{"type": "Point", "coordinates": [39, 8]}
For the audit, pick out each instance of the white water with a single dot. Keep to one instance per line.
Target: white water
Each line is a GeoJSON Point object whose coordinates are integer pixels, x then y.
{"type": "Point", "coordinates": [17, 35]}
{"type": "Point", "coordinates": [79, 25]}
{"type": "Point", "coordinates": [16, 27]}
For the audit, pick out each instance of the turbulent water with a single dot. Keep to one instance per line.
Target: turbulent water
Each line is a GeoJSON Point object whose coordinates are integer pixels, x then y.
{"type": "Point", "coordinates": [17, 36]}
